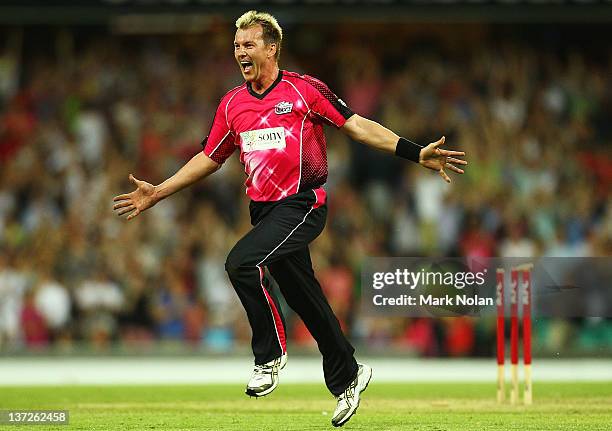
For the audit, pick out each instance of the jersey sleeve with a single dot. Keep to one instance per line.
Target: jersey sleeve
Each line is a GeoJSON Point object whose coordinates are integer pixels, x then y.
{"type": "Point", "coordinates": [325, 104]}
{"type": "Point", "coordinates": [219, 144]}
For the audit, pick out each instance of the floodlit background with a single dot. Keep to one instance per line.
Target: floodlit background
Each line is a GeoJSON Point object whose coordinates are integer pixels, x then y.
{"type": "Point", "coordinates": [91, 91]}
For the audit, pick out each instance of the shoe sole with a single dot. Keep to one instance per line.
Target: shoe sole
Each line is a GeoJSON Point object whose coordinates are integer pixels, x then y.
{"type": "Point", "coordinates": [352, 412]}
{"type": "Point", "coordinates": [252, 393]}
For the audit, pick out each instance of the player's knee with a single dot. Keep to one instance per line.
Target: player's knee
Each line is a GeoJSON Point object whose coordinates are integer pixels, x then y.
{"type": "Point", "coordinates": [234, 264]}
{"type": "Point", "coordinates": [230, 268]}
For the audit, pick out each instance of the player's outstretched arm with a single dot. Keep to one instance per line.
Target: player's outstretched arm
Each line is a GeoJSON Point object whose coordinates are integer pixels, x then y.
{"type": "Point", "coordinates": [146, 195]}
{"type": "Point", "coordinates": [371, 133]}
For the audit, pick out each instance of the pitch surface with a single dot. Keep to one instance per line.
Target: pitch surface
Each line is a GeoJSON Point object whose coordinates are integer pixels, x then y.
{"type": "Point", "coordinates": [427, 407]}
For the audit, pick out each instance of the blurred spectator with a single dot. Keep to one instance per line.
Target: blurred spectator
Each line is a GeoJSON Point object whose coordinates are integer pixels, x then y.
{"type": "Point", "coordinates": [15, 279]}
{"type": "Point", "coordinates": [170, 305]}
{"type": "Point", "coordinates": [90, 130]}
{"type": "Point", "coordinates": [52, 301]}
{"type": "Point", "coordinates": [517, 244]}
{"type": "Point", "coordinates": [337, 283]}
{"type": "Point", "coordinates": [460, 336]}
{"type": "Point", "coordinates": [35, 331]}
{"type": "Point", "coordinates": [135, 320]}
{"type": "Point", "coordinates": [99, 301]}
{"type": "Point", "coordinates": [420, 336]}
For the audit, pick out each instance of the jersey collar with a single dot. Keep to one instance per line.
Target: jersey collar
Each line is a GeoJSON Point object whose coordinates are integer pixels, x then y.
{"type": "Point", "coordinates": [270, 88]}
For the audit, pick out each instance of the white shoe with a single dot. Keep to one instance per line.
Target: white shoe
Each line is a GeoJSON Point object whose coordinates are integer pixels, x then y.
{"type": "Point", "coordinates": [265, 377]}
{"type": "Point", "coordinates": [348, 401]}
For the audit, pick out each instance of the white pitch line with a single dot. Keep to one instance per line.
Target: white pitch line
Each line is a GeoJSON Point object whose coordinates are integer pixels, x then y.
{"type": "Point", "coordinates": [194, 370]}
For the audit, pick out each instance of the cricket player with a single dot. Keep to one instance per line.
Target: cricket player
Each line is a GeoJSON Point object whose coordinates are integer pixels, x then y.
{"type": "Point", "coordinates": [274, 120]}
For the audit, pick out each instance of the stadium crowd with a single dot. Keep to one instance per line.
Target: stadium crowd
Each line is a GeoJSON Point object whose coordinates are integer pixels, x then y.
{"type": "Point", "coordinates": [78, 115]}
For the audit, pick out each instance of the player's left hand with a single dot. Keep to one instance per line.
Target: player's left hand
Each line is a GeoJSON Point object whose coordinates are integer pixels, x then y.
{"type": "Point", "coordinates": [437, 159]}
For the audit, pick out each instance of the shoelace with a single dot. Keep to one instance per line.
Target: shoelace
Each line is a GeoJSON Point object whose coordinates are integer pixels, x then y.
{"type": "Point", "coordinates": [349, 393]}
{"type": "Point", "coordinates": [263, 369]}
{"type": "Point", "coordinates": [267, 369]}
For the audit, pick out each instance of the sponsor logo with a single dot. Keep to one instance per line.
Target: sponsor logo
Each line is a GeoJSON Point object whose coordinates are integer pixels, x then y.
{"type": "Point", "coordinates": [263, 139]}
{"type": "Point", "coordinates": [283, 108]}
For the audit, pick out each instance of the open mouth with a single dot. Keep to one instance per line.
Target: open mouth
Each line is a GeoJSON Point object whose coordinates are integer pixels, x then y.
{"type": "Point", "coordinates": [247, 66]}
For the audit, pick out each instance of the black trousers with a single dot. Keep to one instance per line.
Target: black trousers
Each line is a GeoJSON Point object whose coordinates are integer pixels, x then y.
{"type": "Point", "coordinates": [279, 241]}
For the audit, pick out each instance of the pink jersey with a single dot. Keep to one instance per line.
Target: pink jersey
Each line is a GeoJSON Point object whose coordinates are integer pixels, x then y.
{"type": "Point", "coordinates": [279, 133]}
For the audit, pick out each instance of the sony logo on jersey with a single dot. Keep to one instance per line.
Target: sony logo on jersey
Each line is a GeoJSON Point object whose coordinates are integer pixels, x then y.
{"type": "Point", "coordinates": [263, 139]}
{"type": "Point", "coordinates": [283, 108]}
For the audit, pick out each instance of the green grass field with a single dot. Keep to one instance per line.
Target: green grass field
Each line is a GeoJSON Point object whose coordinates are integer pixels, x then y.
{"type": "Point", "coordinates": [431, 407]}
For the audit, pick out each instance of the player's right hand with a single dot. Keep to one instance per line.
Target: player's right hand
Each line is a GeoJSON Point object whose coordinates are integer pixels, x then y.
{"type": "Point", "coordinates": [137, 201]}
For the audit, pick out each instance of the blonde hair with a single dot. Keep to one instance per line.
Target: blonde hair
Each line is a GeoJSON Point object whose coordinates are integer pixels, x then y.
{"type": "Point", "coordinates": [272, 32]}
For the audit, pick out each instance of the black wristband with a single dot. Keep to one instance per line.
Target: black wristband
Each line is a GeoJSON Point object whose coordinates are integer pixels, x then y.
{"type": "Point", "coordinates": [408, 150]}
